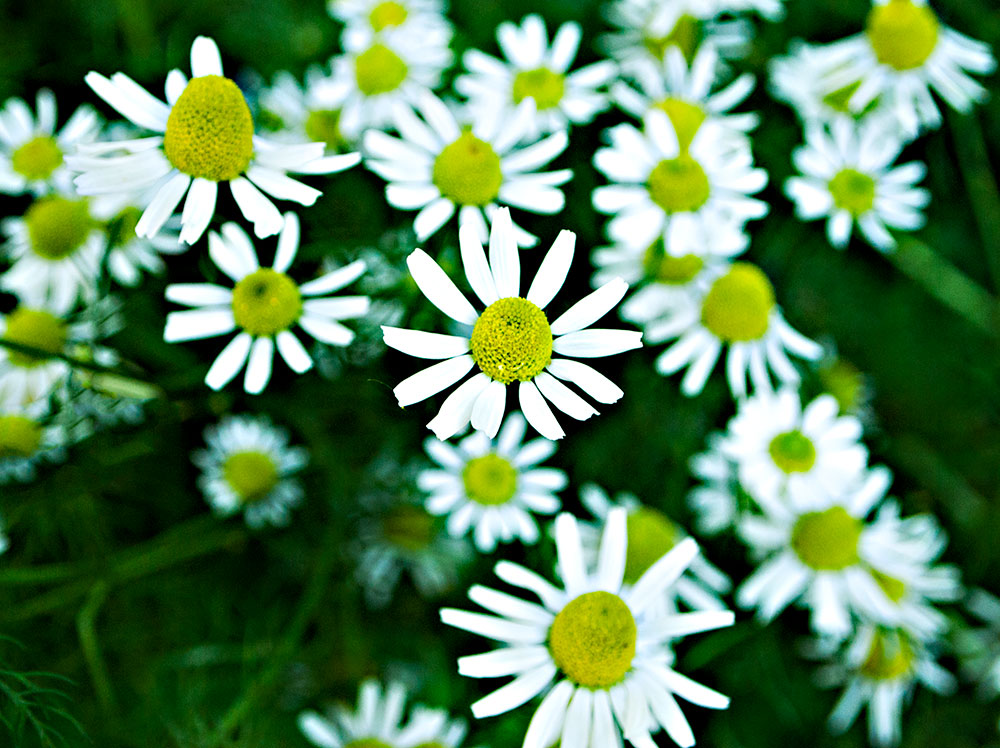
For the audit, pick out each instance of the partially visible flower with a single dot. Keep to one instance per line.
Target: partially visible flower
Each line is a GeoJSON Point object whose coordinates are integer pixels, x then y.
{"type": "Point", "coordinates": [391, 20]}
{"type": "Point", "coordinates": [715, 502]}
{"type": "Point", "coordinates": [28, 438]}
{"type": "Point", "coordinates": [290, 112]}
{"type": "Point", "coordinates": [979, 648]}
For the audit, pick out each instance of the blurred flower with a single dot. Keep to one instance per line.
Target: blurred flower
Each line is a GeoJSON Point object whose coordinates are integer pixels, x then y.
{"type": "Point", "coordinates": [979, 648]}
{"type": "Point", "coordinates": [294, 113]}
{"type": "Point", "coordinates": [716, 501]}
{"type": "Point", "coordinates": [28, 437]}
{"type": "Point", "coordinates": [393, 21]}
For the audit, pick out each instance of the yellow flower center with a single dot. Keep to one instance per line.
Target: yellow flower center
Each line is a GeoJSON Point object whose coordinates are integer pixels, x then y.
{"type": "Point", "coordinates": [323, 126]}
{"type": "Point", "coordinates": [902, 34]}
{"type": "Point", "coordinates": [19, 436]}
{"type": "Point", "coordinates": [793, 452]}
{"type": "Point", "coordinates": [387, 14]}
{"type": "Point", "coordinates": [650, 535]}
{"type": "Point", "coordinates": [37, 329]}
{"type": "Point", "coordinates": [679, 185]}
{"type": "Point", "coordinates": [511, 340]}
{"type": "Point", "coordinates": [210, 131]}
{"type": "Point", "coordinates": [894, 589]}
{"type": "Point", "coordinates": [433, 744]}
{"type": "Point", "coordinates": [843, 380]}
{"type": "Point", "coordinates": [467, 171]}
{"type": "Point", "coordinates": [37, 159]}
{"type": "Point", "coordinates": [664, 268]}
{"type": "Point", "coordinates": [251, 474]}
{"type": "Point", "coordinates": [853, 191]}
{"type": "Point", "coordinates": [738, 305]}
{"type": "Point", "coordinates": [828, 540]}
{"type": "Point", "coordinates": [121, 228]}
{"type": "Point", "coordinates": [592, 640]}
{"type": "Point", "coordinates": [489, 480]}
{"type": "Point", "coordinates": [685, 35]}
{"type": "Point", "coordinates": [542, 85]}
{"type": "Point", "coordinates": [379, 70]}
{"type": "Point", "coordinates": [57, 227]}
{"type": "Point", "coordinates": [891, 656]}
{"type": "Point", "coordinates": [408, 526]}
{"type": "Point", "coordinates": [367, 743]}
{"type": "Point", "coordinates": [686, 117]}
{"type": "Point", "coordinates": [266, 302]}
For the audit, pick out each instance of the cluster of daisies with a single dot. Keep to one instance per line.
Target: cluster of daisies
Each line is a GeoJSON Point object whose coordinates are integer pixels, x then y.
{"type": "Point", "coordinates": [596, 640]}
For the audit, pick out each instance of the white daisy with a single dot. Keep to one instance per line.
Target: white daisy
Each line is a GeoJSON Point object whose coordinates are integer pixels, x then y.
{"type": "Point", "coordinates": [206, 138]}
{"type": "Point", "coordinates": [32, 153]}
{"type": "Point", "coordinates": [291, 112]}
{"type": "Point", "coordinates": [534, 69]}
{"type": "Point", "coordinates": [264, 305]}
{"type": "Point", "coordinates": [439, 166]}
{"type": "Point", "coordinates": [367, 20]}
{"type": "Point", "coordinates": [511, 340]}
{"type": "Point", "coordinates": [661, 190]}
{"type": "Point", "coordinates": [849, 177]}
{"type": "Point", "coordinates": [715, 502]}
{"type": "Point", "coordinates": [979, 648]}
{"type": "Point", "coordinates": [28, 437]}
{"type": "Point", "coordinates": [492, 488]}
{"type": "Point", "coordinates": [248, 466]}
{"type": "Point", "coordinates": [129, 255]}
{"type": "Point", "coordinates": [609, 656]}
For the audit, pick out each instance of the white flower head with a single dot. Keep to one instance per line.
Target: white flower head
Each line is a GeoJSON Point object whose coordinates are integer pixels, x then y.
{"type": "Point", "coordinates": [205, 137]}
{"type": "Point", "coordinates": [291, 112]}
{"type": "Point", "coordinates": [715, 502]}
{"type": "Point", "coordinates": [264, 305]}
{"type": "Point", "coordinates": [601, 645]}
{"type": "Point", "coordinates": [979, 648]}
{"type": "Point", "coordinates": [393, 20]}
{"type": "Point", "coordinates": [28, 437]}
{"type": "Point", "coordinates": [511, 340]}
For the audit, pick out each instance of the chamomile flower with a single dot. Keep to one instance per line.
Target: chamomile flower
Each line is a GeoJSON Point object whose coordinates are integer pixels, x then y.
{"type": "Point", "coordinates": [28, 437]}
{"type": "Point", "coordinates": [366, 20]}
{"type": "Point", "coordinates": [377, 721]}
{"type": "Point", "coordinates": [511, 340]}
{"type": "Point", "coordinates": [715, 501]}
{"type": "Point", "coordinates": [849, 177]}
{"type": "Point", "coordinates": [25, 377]}
{"type": "Point", "coordinates": [600, 644]}
{"type": "Point", "coordinates": [738, 310]}
{"type": "Point", "coordinates": [264, 305]}
{"type": "Point", "coordinates": [534, 69]}
{"type": "Point", "coordinates": [660, 189]}
{"type": "Point", "coordinates": [979, 648]}
{"type": "Point", "coordinates": [32, 153]}
{"type": "Point", "coordinates": [491, 488]}
{"type": "Point", "coordinates": [248, 466]}
{"type": "Point", "coordinates": [130, 255]}
{"type": "Point", "coordinates": [440, 166]}
{"type": "Point", "coordinates": [206, 137]}
{"type": "Point", "coordinates": [291, 112]}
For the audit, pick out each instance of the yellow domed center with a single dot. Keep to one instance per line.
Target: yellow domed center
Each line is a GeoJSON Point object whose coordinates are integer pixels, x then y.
{"type": "Point", "coordinates": [37, 159]}
{"type": "Point", "coordinates": [793, 452]}
{"type": "Point", "coordinates": [686, 118]}
{"type": "Point", "coordinates": [592, 640]}
{"type": "Point", "coordinates": [489, 480]}
{"type": "Point", "coordinates": [662, 267]}
{"type": "Point", "coordinates": [408, 526]}
{"type": "Point", "coordinates": [542, 85]}
{"type": "Point", "coordinates": [379, 70]}
{"type": "Point", "coordinates": [367, 743]}
{"type": "Point", "coordinates": [890, 656]}
{"type": "Point", "coordinates": [511, 340]}
{"type": "Point", "coordinates": [323, 126]}
{"type": "Point", "coordinates": [37, 329]}
{"type": "Point", "coordinates": [121, 228]}
{"type": "Point", "coordinates": [679, 185]}
{"type": "Point", "coordinates": [20, 436]}
{"type": "Point", "coordinates": [210, 131]}
{"type": "Point", "coordinates": [387, 14]}
{"type": "Point", "coordinates": [251, 474]}
{"type": "Point", "coordinates": [650, 535]}
{"type": "Point", "coordinates": [57, 227]}
{"type": "Point", "coordinates": [852, 191]}
{"type": "Point", "coordinates": [828, 540]}
{"type": "Point", "coordinates": [266, 302]}
{"type": "Point", "coordinates": [467, 171]}
{"type": "Point", "coordinates": [738, 305]}
{"type": "Point", "coordinates": [902, 34]}
{"type": "Point", "coordinates": [894, 589]}
{"type": "Point", "coordinates": [685, 35]}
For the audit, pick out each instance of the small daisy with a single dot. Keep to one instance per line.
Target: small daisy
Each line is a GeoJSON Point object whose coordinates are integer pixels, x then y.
{"type": "Point", "coordinates": [979, 648]}
{"type": "Point", "coordinates": [716, 501]}
{"type": "Point", "coordinates": [366, 20]}
{"type": "Point", "coordinates": [850, 177]}
{"type": "Point", "coordinates": [512, 340]}
{"type": "Point", "coordinates": [533, 69]}
{"type": "Point", "coordinates": [608, 653]}
{"type": "Point", "coordinates": [130, 255]}
{"type": "Point", "coordinates": [439, 166]}
{"type": "Point", "coordinates": [207, 137]}
{"type": "Point", "coordinates": [248, 466]}
{"type": "Point", "coordinates": [492, 488]}
{"type": "Point", "coordinates": [28, 437]}
{"type": "Point", "coordinates": [661, 190]}
{"type": "Point", "coordinates": [296, 113]}
{"type": "Point", "coordinates": [264, 305]}
{"type": "Point", "coordinates": [32, 154]}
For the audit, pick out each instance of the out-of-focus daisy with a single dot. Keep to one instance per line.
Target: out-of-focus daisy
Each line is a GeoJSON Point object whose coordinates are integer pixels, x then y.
{"type": "Point", "coordinates": [492, 488]}
{"type": "Point", "coordinates": [534, 69]}
{"type": "Point", "coordinates": [28, 437]}
{"type": "Point", "coordinates": [249, 467]}
{"type": "Point", "coordinates": [130, 255]}
{"type": "Point", "coordinates": [607, 654]}
{"type": "Point", "coordinates": [738, 310]}
{"type": "Point", "coordinates": [440, 166]}
{"type": "Point", "coordinates": [26, 377]}
{"type": "Point", "coordinates": [291, 112]}
{"type": "Point", "coordinates": [661, 190]}
{"type": "Point", "coordinates": [368, 20]}
{"type": "Point", "coordinates": [511, 340]}
{"type": "Point", "coordinates": [264, 305]}
{"type": "Point", "coordinates": [849, 177]}
{"type": "Point", "coordinates": [718, 500]}
{"type": "Point", "coordinates": [979, 648]}
{"type": "Point", "coordinates": [32, 153]}
{"type": "Point", "coordinates": [206, 137]}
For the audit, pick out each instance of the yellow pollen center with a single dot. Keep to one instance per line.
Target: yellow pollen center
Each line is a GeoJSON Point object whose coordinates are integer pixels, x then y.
{"type": "Point", "coordinates": [266, 302]}
{"type": "Point", "coordinates": [852, 191]}
{"type": "Point", "coordinates": [843, 380]}
{"type": "Point", "coordinates": [902, 34]}
{"type": "Point", "coordinates": [408, 526]}
{"type": "Point", "coordinates": [379, 70]}
{"type": "Point", "coordinates": [890, 656]}
{"type": "Point", "coordinates": [323, 126]}
{"type": "Point", "coordinates": [685, 35]}
{"type": "Point", "coordinates": [679, 185]}
{"type": "Point", "coordinates": [511, 340]}
{"type": "Point", "coordinates": [489, 480]}
{"type": "Point", "coordinates": [650, 535]}
{"type": "Point", "coordinates": [793, 452]}
{"type": "Point", "coordinates": [542, 85]}
{"type": "Point", "coordinates": [37, 159]}
{"type": "Point", "coordinates": [251, 474]}
{"type": "Point", "coordinates": [467, 171]}
{"type": "Point", "coordinates": [592, 640]}
{"type": "Point", "coordinates": [35, 328]}
{"type": "Point", "coordinates": [387, 14]}
{"type": "Point", "coordinates": [19, 436]}
{"type": "Point", "coordinates": [686, 118]}
{"type": "Point", "coordinates": [367, 743]}
{"type": "Point", "coordinates": [828, 540]}
{"type": "Point", "coordinates": [57, 227]}
{"type": "Point", "coordinates": [738, 305]}
{"type": "Point", "coordinates": [210, 131]}
{"type": "Point", "coordinates": [662, 267]}
{"type": "Point", "coordinates": [121, 228]}
{"type": "Point", "coordinates": [894, 589]}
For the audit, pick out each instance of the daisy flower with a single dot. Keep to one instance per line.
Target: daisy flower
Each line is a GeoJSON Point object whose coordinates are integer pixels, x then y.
{"type": "Point", "coordinates": [609, 656]}
{"type": "Point", "coordinates": [296, 113]}
{"type": "Point", "coordinates": [661, 190]}
{"type": "Point", "coordinates": [367, 20]}
{"type": "Point", "coordinates": [28, 438]}
{"type": "Point", "coordinates": [849, 177]}
{"type": "Point", "coordinates": [206, 136]}
{"type": "Point", "coordinates": [715, 501]}
{"type": "Point", "coordinates": [130, 255]}
{"type": "Point", "coordinates": [979, 648]}
{"type": "Point", "coordinates": [32, 153]}
{"type": "Point", "coordinates": [248, 467]}
{"type": "Point", "coordinates": [264, 305]}
{"type": "Point", "coordinates": [492, 488]}
{"type": "Point", "coordinates": [738, 310]}
{"type": "Point", "coordinates": [511, 340]}
{"type": "Point", "coordinates": [534, 69]}
{"type": "Point", "coordinates": [439, 166]}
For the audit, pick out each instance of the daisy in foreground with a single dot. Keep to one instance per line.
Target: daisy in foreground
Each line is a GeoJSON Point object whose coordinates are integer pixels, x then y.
{"type": "Point", "coordinates": [263, 305]}
{"type": "Point", "coordinates": [207, 137]}
{"type": "Point", "coordinates": [511, 340]}
{"type": "Point", "coordinates": [248, 467]}
{"type": "Point", "coordinates": [608, 654]}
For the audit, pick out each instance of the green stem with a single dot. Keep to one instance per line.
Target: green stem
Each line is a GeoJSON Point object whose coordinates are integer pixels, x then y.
{"type": "Point", "coordinates": [86, 628]}
{"type": "Point", "coordinates": [984, 196]}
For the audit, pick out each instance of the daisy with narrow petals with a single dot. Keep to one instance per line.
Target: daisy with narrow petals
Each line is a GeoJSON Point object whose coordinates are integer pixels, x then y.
{"type": "Point", "coordinates": [394, 21]}
{"type": "Point", "coordinates": [492, 488]}
{"type": "Point", "coordinates": [511, 340]}
{"type": "Point", "coordinates": [29, 437]}
{"type": "Point", "coordinates": [205, 137]}
{"type": "Point", "coordinates": [606, 654]}
{"type": "Point", "coordinates": [293, 112]}
{"type": "Point", "coordinates": [264, 305]}
{"type": "Point", "coordinates": [715, 502]}
{"type": "Point", "coordinates": [979, 648]}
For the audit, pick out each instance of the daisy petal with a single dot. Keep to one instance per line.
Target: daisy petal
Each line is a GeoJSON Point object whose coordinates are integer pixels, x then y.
{"type": "Point", "coordinates": [424, 344]}
{"type": "Point", "coordinates": [553, 271]}
{"type": "Point", "coordinates": [439, 288]}
{"type": "Point", "coordinates": [259, 366]}
{"type": "Point", "coordinates": [489, 408]}
{"type": "Point", "coordinates": [432, 380]}
{"type": "Point", "coordinates": [537, 412]}
{"type": "Point", "coordinates": [228, 363]}
{"type": "Point", "coordinates": [293, 352]}
{"type": "Point", "coordinates": [504, 261]}
{"type": "Point", "coordinates": [597, 342]}
{"type": "Point", "coordinates": [456, 411]}
{"type": "Point", "coordinates": [205, 58]}
{"type": "Point", "coordinates": [590, 308]}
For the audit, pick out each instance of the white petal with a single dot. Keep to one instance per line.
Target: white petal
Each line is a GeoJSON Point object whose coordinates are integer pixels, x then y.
{"type": "Point", "coordinates": [198, 294]}
{"type": "Point", "coordinates": [326, 330]}
{"type": "Point", "coordinates": [591, 381]}
{"type": "Point", "coordinates": [205, 58]}
{"type": "Point", "coordinates": [537, 412]}
{"type": "Point", "coordinates": [256, 208]}
{"type": "Point", "coordinates": [505, 264]}
{"type": "Point", "coordinates": [162, 205]}
{"type": "Point", "coordinates": [432, 217]}
{"type": "Point", "coordinates": [198, 323]}
{"type": "Point", "coordinates": [146, 111]}
{"type": "Point", "coordinates": [424, 344]}
{"type": "Point", "coordinates": [489, 408]}
{"type": "Point", "coordinates": [199, 207]}
{"type": "Point", "coordinates": [439, 289]}
{"type": "Point", "coordinates": [553, 271]}
{"type": "Point", "coordinates": [477, 269]}
{"type": "Point", "coordinates": [662, 574]}
{"type": "Point", "coordinates": [259, 366]}
{"type": "Point", "coordinates": [546, 724]}
{"type": "Point", "coordinates": [456, 411]}
{"type": "Point", "coordinates": [596, 342]}
{"type": "Point", "coordinates": [229, 362]}
{"type": "Point", "coordinates": [563, 397]}
{"type": "Point", "coordinates": [515, 693]}
{"type": "Point", "coordinates": [334, 280]}
{"type": "Point", "coordinates": [432, 380]}
{"type": "Point", "coordinates": [570, 554]}
{"type": "Point", "coordinates": [288, 243]}
{"type": "Point", "coordinates": [293, 352]}
{"type": "Point", "coordinates": [591, 307]}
